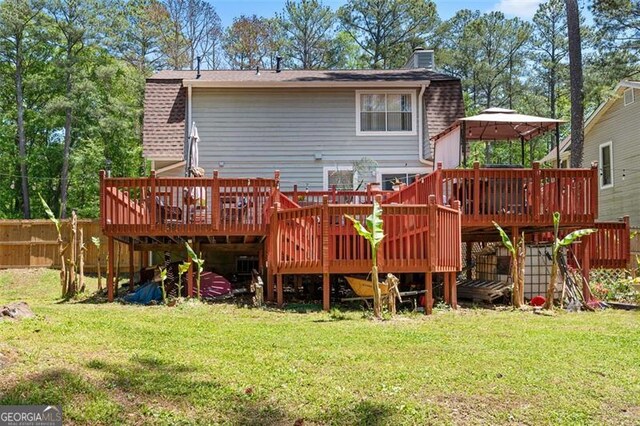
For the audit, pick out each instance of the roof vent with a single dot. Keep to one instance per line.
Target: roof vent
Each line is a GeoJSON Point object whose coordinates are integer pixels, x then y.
{"type": "Point", "coordinates": [278, 61]}
{"type": "Point", "coordinates": [421, 58]}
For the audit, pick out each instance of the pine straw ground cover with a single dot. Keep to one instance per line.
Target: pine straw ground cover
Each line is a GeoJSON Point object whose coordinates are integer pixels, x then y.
{"type": "Point", "coordinates": [207, 364]}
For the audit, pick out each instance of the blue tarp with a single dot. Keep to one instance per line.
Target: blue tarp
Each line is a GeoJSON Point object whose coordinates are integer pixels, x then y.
{"type": "Point", "coordinates": [145, 294]}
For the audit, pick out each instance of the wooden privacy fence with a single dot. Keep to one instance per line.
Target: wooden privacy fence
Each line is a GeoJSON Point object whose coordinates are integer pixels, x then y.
{"type": "Point", "coordinates": [34, 244]}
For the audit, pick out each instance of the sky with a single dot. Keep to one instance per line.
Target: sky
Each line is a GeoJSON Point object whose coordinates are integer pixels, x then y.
{"type": "Point", "coordinates": [228, 9]}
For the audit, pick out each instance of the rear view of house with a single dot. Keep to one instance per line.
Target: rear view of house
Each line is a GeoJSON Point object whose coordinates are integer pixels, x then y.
{"type": "Point", "coordinates": [288, 153]}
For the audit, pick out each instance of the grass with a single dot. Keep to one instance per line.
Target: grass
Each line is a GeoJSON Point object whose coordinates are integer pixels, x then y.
{"type": "Point", "coordinates": [209, 364]}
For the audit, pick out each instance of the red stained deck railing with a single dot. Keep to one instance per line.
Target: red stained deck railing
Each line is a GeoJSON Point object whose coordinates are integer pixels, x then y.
{"type": "Point", "coordinates": [185, 206]}
{"type": "Point", "coordinates": [610, 246]}
{"type": "Point", "coordinates": [419, 191]}
{"type": "Point", "coordinates": [513, 197]}
{"type": "Point", "coordinates": [314, 198]}
{"type": "Point", "coordinates": [418, 238]}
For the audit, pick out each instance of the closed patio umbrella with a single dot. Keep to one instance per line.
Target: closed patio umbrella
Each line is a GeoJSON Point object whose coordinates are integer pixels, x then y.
{"type": "Point", "coordinates": [197, 194]}
{"type": "Point", "coordinates": [192, 153]}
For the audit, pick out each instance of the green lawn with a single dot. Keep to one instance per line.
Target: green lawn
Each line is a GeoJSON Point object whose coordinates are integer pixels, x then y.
{"type": "Point", "coordinates": [204, 364]}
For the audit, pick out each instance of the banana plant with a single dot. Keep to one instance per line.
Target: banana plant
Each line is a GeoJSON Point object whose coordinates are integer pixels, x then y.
{"type": "Point", "coordinates": [199, 264]}
{"type": "Point", "coordinates": [374, 234]}
{"type": "Point", "coordinates": [557, 245]}
{"type": "Point", "coordinates": [96, 242]}
{"type": "Point", "coordinates": [163, 278]}
{"type": "Point", "coordinates": [61, 247]}
{"type": "Point", "coordinates": [516, 249]}
{"type": "Point", "coordinates": [182, 268]}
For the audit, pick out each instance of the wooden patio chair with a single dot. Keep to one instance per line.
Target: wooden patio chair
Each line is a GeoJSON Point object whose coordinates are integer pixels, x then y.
{"type": "Point", "coordinates": [234, 209]}
{"type": "Point", "coordinates": [164, 213]}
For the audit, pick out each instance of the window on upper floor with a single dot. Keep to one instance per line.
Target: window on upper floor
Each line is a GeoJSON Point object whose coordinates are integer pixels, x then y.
{"type": "Point", "coordinates": [385, 113]}
{"type": "Point", "coordinates": [606, 165]}
{"type": "Point", "coordinates": [629, 96]}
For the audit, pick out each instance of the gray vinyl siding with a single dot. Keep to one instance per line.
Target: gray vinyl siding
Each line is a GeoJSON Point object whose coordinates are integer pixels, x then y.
{"type": "Point", "coordinates": [257, 131]}
{"type": "Point", "coordinates": [620, 125]}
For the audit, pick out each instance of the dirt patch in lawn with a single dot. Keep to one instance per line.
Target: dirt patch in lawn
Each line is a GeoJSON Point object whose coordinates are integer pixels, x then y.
{"type": "Point", "coordinates": [8, 356]}
{"type": "Point", "coordinates": [479, 410]}
{"type": "Point", "coordinates": [16, 311]}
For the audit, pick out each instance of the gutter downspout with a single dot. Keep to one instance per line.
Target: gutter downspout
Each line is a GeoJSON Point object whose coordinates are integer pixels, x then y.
{"type": "Point", "coordinates": [188, 110]}
{"type": "Point", "coordinates": [421, 125]}
{"type": "Point", "coordinates": [187, 137]}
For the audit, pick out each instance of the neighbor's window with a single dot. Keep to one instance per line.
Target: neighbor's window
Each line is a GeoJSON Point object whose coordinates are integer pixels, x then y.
{"type": "Point", "coordinates": [385, 112]}
{"type": "Point", "coordinates": [341, 179]}
{"type": "Point", "coordinates": [629, 97]}
{"type": "Point", "coordinates": [606, 165]}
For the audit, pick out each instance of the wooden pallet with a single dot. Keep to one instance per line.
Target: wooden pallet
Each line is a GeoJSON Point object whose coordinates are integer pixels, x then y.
{"type": "Point", "coordinates": [482, 290]}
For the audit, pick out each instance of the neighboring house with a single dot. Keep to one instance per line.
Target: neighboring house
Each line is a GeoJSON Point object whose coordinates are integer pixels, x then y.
{"type": "Point", "coordinates": [612, 138]}
{"type": "Point", "coordinates": [313, 126]}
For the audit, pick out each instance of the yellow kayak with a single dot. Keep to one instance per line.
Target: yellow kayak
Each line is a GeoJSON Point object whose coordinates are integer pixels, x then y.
{"type": "Point", "coordinates": [364, 288]}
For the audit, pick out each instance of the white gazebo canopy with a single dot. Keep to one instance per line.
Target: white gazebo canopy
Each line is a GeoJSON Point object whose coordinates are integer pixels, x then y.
{"type": "Point", "coordinates": [497, 124]}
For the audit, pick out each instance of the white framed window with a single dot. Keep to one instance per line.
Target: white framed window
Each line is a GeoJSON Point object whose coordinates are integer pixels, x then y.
{"type": "Point", "coordinates": [342, 177]}
{"type": "Point", "coordinates": [388, 176]}
{"type": "Point", "coordinates": [386, 112]}
{"type": "Point", "coordinates": [606, 165]}
{"type": "Point", "coordinates": [629, 96]}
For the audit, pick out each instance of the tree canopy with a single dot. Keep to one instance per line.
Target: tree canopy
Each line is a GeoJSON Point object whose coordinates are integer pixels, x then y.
{"type": "Point", "coordinates": [73, 72]}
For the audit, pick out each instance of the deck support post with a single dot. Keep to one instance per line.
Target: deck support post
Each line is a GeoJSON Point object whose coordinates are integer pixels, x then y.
{"type": "Point", "coordinates": [269, 285]}
{"type": "Point", "coordinates": [453, 292]}
{"type": "Point", "coordinates": [297, 283]}
{"type": "Point", "coordinates": [279, 291]}
{"type": "Point", "coordinates": [326, 282]}
{"type": "Point", "coordinates": [586, 268]}
{"type": "Point", "coordinates": [326, 292]}
{"type": "Point", "coordinates": [273, 245]}
{"type": "Point", "coordinates": [110, 249]}
{"type": "Point", "coordinates": [144, 259]}
{"type": "Point", "coordinates": [190, 274]}
{"type": "Point", "coordinates": [428, 296]}
{"type": "Point", "coordinates": [447, 289]}
{"type": "Point", "coordinates": [132, 267]}
{"type": "Point", "coordinates": [469, 259]}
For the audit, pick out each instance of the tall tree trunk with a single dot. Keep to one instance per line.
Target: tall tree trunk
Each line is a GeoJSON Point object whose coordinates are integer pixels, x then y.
{"type": "Point", "coordinates": [575, 75]}
{"type": "Point", "coordinates": [22, 143]}
{"type": "Point", "coordinates": [64, 177]}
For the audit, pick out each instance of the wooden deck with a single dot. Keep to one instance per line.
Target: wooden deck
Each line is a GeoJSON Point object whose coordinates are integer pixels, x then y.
{"type": "Point", "coordinates": [305, 232]}
{"type": "Point", "coordinates": [185, 207]}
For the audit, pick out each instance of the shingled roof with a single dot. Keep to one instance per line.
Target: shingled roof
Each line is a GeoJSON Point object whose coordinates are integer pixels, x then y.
{"type": "Point", "coordinates": [444, 105]}
{"type": "Point", "coordinates": [165, 97]}
{"type": "Point", "coordinates": [303, 77]}
{"type": "Point", "coordinates": [163, 131]}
